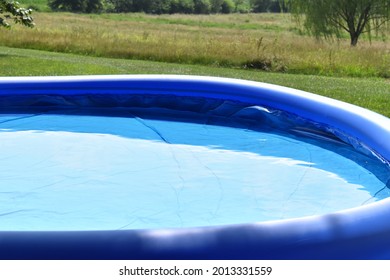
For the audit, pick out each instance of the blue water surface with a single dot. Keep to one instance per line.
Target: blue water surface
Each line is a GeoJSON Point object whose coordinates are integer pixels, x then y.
{"type": "Point", "coordinates": [83, 172]}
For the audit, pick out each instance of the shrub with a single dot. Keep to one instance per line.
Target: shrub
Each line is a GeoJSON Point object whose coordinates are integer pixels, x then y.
{"type": "Point", "coordinates": [227, 7]}
{"type": "Point", "coordinates": [202, 6]}
{"type": "Point", "coordinates": [182, 6]}
{"type": "Point", "coordinates": [81, 6]}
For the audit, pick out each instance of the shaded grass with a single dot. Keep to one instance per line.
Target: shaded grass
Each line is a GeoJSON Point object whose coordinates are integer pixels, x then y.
{"type": "Point", "coordinates": [371, 93]}
{"type": "Point", "coordinates": [268, 42]}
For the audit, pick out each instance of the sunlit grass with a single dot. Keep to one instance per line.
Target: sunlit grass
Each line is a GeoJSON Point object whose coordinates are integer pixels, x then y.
{"type": "Point", "coordinates": [269, 42]}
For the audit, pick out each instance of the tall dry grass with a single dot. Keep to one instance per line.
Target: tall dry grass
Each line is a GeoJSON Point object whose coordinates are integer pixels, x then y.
{"type": "Point", "coordinates": [268, 42]}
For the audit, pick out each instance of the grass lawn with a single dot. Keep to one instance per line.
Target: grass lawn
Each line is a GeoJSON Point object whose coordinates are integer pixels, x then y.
{"type": "Point", "coordinates": [371, 93]}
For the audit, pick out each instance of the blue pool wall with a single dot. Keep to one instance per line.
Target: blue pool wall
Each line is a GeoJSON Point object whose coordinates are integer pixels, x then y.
{"type": "Point", "coordinates": [359, 233]}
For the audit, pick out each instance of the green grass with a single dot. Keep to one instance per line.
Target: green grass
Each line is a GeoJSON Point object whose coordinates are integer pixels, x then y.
{"type": "Point", "coordinates": [371, 93]}
{"type": "Point", "coordinates": [269, 42]}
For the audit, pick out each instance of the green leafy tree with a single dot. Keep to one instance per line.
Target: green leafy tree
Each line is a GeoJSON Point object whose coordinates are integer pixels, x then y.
{"type": "Point", "coordinates": [273, 6]}
{"type": "Point", "coordinates": [216, 6]}
{"type": "Point", "coordinates": [278, 6]}
{"type": "Point", "coordinates": [160, 7]}
{"type": "Point", "coordinates": [68, 5]}
{"type": "Point", "coordinates": [182, 6]}
{"type": "Point", "coordinates": [202, 6]}
{"type": "Point", "coordinates": [242, 6]}
{"type": "Point", "coordinates": [260, 6]}
{"type": "Point", "coordinates": [12, 11]}
{"type": "Point", "coordinates": [76, 6]}
{"type": "Point", "coordinates": [94, 6]}
{"type": "Point", "coordinates": [333, 17]}
{"type": "Point", "coordinates": [227, 7]}
{"type": "Point", "coordinates": [133, 6]}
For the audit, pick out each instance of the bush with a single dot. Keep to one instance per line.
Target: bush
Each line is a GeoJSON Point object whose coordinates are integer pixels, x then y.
{"type": "Point", "coordinates": [182, 6]}
{"type": "Point", "coordinates": [131, 6]}
{"type": "Point", "coordinates": [216, 6]}
{"type": "Point", "coordinates": [242, 6]}
{"type": "Point", "coordinates": [160, 7]}
{"type": "Point", "coordinates": [76, 6]}
{"type": "Point", "coordinates": [273, 6]}
{"type": "Point", "coordinates": [94, 6]}
{"type": "Point", "coordinates": [202, 6]}
{"type": "Point", "coordinates": [260, 6]}
{"type": "Point", "coordinates": [227, 7]}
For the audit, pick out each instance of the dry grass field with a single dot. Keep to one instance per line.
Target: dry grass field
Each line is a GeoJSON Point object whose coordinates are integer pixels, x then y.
{"type": "Point", "coordinates": [269, 42]}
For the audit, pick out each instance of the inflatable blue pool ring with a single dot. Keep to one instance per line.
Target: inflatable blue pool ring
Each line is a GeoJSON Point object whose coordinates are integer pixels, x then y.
{"type": "Point", "coordinates": [357, 233]}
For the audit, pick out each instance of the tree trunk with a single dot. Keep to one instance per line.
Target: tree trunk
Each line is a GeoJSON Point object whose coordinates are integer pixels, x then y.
{"type": "Point", "coordinates": [354, 38]}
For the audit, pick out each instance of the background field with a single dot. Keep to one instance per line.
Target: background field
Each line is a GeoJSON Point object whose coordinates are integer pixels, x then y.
{"type": "Point", "coordinates": [267, 42]}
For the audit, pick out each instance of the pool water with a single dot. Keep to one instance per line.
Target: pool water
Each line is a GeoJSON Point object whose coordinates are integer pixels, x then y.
{"type": "Point", "coordinates": [91, 172]}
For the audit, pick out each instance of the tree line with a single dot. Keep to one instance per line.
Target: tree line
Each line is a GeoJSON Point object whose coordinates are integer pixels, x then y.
{"type": "Point", "coordinates": [169, 6]}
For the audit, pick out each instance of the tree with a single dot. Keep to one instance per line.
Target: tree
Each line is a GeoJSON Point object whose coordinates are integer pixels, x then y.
{"type": "Point", "coordinates": [227, 7]}
{"type": "Point", "coordinates": [76, 6]}
{"type": "Point", "coordinates": [94, 6]}
{"type": "Point", "coordinates": [182, 6]}
{"type": "Point", "coordinates": [332, 17]}
{"type": "Point", "coordinates": [202, 6]}
{"type": "Point", "coordinates": [67, 5]}
{"type": "Point", "coordinates": [13, 11]}
{"type": "Point", "coordinates": [241, 6]}
{"type": "Point", "coordinates": [260, 6]}
{"type": "Point", "coordinates": [216, 6]}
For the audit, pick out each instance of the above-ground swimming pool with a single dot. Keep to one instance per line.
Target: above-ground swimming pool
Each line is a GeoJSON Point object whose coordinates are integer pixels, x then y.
{"type": "Point", "coordinates": [181, 167]}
